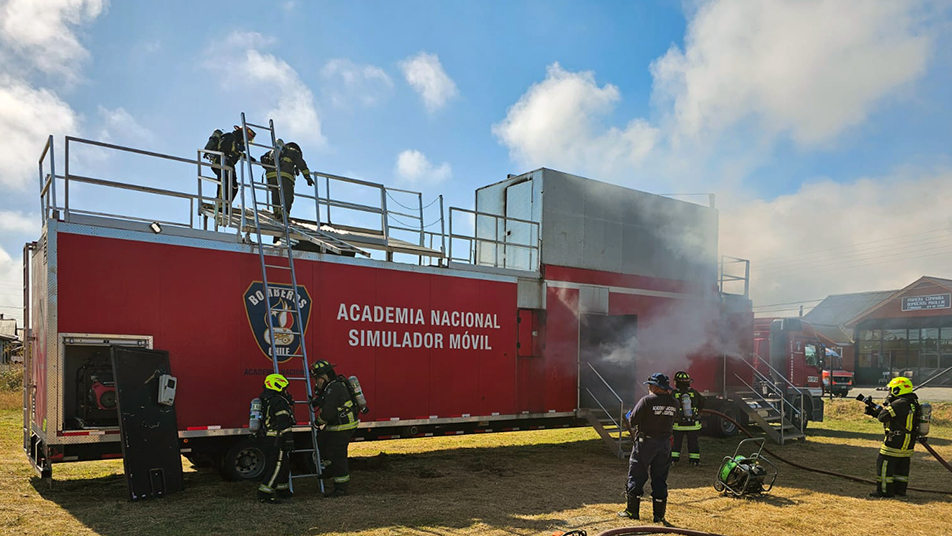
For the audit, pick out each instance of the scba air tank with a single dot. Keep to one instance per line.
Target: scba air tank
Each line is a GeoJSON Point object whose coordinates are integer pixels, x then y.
{"type": "Point", "coordinates": [254, 417]}
{"type": "Point", "coordinates": [358, 394]}
{"type": "Point", "coordinates": [686, 406]}
{"type": "Point", "coordinates": [925, 417]}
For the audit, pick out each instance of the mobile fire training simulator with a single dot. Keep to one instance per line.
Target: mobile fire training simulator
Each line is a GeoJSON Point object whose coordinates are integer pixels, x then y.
{"type": "Point", "coordinates": [520, 314]}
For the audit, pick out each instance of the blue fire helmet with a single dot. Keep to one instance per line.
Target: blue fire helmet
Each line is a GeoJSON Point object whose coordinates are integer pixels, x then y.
{"type": "Point", "coordinates": [658, 380]}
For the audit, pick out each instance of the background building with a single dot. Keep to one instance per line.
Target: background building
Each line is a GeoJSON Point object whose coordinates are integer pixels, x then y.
{"type": "Point", "coordinates": [9, 342]}
{"type": "Point", "coordinates": [908, 333]}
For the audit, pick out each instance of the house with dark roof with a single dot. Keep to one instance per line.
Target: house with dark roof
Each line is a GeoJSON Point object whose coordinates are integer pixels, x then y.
{"type": "Point", "coordinates": [9, 342]}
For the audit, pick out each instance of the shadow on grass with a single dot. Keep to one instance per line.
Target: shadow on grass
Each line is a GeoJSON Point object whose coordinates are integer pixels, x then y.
{"type": "Point", "coordinates": [878, 436]}
{"type": "Point", "coordinates": [524, 489]}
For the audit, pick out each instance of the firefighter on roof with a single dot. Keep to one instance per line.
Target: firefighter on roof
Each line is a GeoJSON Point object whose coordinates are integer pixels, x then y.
{"type": "Point", "coordinates": [650, 423]}
{"type": "Point", "coordinates": [688, 424]}
{"type": "Point", "coordinates": [291, 161]}
{"type": "Point", "coordinates": [338, 417]}
{"type": "Point", "coordinates": [900, 415]}
{"type": "Point", "coordinates": [277, 407]}
{"type": "Point", "coordinates": [232, 145]}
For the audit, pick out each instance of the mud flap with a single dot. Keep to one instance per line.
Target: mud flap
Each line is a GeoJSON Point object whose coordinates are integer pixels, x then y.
{"type": "Point", "coordinates": [148, 429]}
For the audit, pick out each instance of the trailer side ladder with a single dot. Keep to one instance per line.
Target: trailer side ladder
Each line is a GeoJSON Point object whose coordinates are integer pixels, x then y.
{"type": "Point", "coordinates": [280, 249]}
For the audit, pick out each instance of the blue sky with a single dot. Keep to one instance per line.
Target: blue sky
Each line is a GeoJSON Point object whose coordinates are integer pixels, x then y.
{"type": "Point", "coordinates": [819, 124]}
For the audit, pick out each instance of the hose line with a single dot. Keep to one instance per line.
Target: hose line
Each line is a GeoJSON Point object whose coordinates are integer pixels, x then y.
{"type": "Point", "coordinates": [831, 473]}
{"type": "Point", "coordinates": [654, 529]}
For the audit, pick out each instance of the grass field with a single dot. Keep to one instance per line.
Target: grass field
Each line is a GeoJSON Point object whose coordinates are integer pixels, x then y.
{"type": "Point", "coordinates": [523, 483]}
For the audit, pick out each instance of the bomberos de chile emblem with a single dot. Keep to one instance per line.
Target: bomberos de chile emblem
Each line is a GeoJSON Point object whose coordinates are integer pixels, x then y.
{"type": "Point", "coordinates": [286, 332]}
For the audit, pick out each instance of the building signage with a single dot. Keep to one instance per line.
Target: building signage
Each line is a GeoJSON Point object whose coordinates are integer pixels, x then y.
{"type": "Point", "coordinates": [922, 303]}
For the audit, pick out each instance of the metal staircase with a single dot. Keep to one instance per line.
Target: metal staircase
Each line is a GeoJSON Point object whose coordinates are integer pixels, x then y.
{"type": "Point", "coordinates": [275, 260]}
{"type": "Point", "coordinates": [776, 407]}
{"type": "Point", "coordinates": [611, 426]}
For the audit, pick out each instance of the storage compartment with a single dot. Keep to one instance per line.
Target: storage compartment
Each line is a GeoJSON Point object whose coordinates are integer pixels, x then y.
{"type": "Point", "coordinates": [89, 391]}
{"type": "Point", "coordinates": [89, 388]}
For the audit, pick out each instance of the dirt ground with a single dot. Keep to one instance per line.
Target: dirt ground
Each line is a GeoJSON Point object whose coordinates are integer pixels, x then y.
{"type": "Point", "coordinates": [518, 483]}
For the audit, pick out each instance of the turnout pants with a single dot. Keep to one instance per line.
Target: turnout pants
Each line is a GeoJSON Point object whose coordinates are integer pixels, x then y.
{"type": "Point", "coordinates": [649, 458]}
{"type": "Point", "coordinates": [288, 186]}
{"type": "Point", "coordinates": [276, 479]}
{"type": "Point", "coordinates": [694, 446]}
{"type": "Point", "coordinates": [333, 445]}
{"type": "Point", "coordinates": [892, 475]}
{"type": "Point", "coordinates": [230, 186]}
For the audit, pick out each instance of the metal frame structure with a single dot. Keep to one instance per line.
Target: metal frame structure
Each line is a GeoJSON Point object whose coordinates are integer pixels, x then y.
{"type": "Point", "coordinates": [475, 241]}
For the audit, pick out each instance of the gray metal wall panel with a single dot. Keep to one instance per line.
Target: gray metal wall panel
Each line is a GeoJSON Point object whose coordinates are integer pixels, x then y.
{"type": "Point", "coordinates": [599, 226]}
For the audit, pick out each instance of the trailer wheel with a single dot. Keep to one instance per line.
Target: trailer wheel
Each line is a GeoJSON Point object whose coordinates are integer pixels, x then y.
{"type": "Point", "coordinates": [244, 460]}
{"type": "Point", "coordinates": [724, 427]}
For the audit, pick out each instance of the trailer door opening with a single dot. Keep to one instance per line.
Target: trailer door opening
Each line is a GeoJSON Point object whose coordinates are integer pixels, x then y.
{"type": "Point", "coordinates": [608, 344]}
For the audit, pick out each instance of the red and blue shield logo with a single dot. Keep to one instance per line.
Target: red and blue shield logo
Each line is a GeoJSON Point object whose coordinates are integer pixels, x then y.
{"type": "Point", "coordinates": [287, 332]}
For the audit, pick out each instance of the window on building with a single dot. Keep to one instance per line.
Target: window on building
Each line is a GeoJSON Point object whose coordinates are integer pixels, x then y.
{"type": "Point", "coordinates": [945, 347]}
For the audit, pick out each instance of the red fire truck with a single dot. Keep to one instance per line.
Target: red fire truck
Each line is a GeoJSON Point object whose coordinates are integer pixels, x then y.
{"type": "Point", "coordinates": [793, 346]}
{"type": "Point", "coordinates": [530, 311]}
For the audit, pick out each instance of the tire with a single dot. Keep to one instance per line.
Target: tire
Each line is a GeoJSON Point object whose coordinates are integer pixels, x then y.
{"type": "Point", "coordinates": [722, 426]}
{"type": "Point", "coordinates": [244, 460]}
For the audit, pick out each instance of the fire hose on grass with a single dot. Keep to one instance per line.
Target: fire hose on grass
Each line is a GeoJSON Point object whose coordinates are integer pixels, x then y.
{"type": "Point", "coordinates": [833, 473]}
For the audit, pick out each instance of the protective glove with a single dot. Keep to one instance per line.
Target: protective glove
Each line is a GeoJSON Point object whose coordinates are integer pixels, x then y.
{"type": "Point", "coordinates": [309, 181]}
{"type": "Point", "coordinates": [871, 411]}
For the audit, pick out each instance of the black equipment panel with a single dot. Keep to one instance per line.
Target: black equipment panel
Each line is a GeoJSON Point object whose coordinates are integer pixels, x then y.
{"type": "Point", "coordinates": [148, 430]}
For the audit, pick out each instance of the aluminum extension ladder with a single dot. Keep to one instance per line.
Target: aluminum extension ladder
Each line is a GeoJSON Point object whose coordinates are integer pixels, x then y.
{"type": "Point", "coordinates": [280, 249]}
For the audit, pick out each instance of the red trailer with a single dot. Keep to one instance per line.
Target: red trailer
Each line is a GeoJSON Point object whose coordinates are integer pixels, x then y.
{"type": "Point", "coordinates": [522, 314]}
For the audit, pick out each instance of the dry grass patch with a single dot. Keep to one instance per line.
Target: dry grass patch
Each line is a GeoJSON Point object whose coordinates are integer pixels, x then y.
{"type": "Point", "coordinates": [522, 483]}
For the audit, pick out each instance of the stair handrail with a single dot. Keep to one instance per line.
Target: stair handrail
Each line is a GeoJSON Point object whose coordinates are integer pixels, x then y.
{"type": "Point", "coordinates": [621, 402]}
{"type": "Point", "coordinates": [777, 391]}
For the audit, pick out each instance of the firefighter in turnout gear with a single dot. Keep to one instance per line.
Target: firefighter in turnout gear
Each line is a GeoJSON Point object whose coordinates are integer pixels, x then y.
{"type": "Point", "coordinates": [900, 415]}
{"type": "Point", "coordinates": [337, 415]}
{"type": "Point", "coordinates": [688, 424]}
{"type": "Point", "coordinates": [650, 423]}
{"type": "Point", "coordinates": [232, 145]}
{"type": "Point", "coordinates": [291, 162]}
{"type": "Point", "coordinates": [277, 408]}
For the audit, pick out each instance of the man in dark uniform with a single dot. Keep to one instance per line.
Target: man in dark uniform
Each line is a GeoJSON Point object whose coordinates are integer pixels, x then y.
{"type": "Point", "coordinates": [276, 405]}
{"type": "Point", "coordinates": [232, 144]}
{"type": "Point", "coordinates": [690, 403]}
{"type": "Point", "coordinates": [291, 161]}
{"type": "Point", "coordinates": [338, 416]}
{"type": "Point", "coordinates": [650, 423]}
{"type": "Point", "coordinates": [900, 417]}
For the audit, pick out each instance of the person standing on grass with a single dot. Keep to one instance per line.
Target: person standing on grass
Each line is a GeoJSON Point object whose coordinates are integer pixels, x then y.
{"type": "Point", "coordinates": [336, 417]}
{"type": "Point", "coordinates": [277, 407]}
{"type": "Point", "coordinates": [688, 424]}
{"type": "Point", "coordinates": [651, 422]}
{"type": "Point", "coordinates": [900, 417]}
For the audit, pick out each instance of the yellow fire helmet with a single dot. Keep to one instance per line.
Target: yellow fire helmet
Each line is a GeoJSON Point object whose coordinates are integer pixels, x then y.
{"type": "Point", "coordinates": [275, 382]}
{"type": "Point", "coordinates": [900, 386]}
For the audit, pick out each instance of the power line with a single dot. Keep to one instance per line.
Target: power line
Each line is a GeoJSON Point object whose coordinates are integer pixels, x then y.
{"type": "Point", "coordinates": [788, 303]}
{"type": "Point", "coordinates": [878, 240]}
{"type": "Point", "coordinates": [835, 268]}
{"type": "Point", "coordinates": [850, 261]}
{"type": "Point", "coordinates": [860, 252]}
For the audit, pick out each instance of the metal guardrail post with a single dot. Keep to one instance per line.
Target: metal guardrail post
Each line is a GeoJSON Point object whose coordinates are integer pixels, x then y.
{"type": "Point", "coordinates": [442, 230]}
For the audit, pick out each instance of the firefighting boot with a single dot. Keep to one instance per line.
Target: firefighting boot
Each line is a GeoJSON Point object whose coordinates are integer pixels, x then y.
{"type": "Point", "coordinates": [632, 509]}
{"type": "Point", "coordinates": [660, 505]}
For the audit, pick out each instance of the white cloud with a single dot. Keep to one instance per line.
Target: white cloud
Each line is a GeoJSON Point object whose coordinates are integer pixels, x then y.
{"type": "Point", "coordinates": [43, 33]}
{"type": "Point", "coordinates": [19, 222]}
{"type": "Point", "coordinates": [119, 126]}
{"type": "Point", "coordinates": [414, 168]}
{"type": "Point", "coordinates": [810, 68]}
{"type": "Point", "coordinates": [871, 234]}
{"type": "Point", "coordinates": [750, 74]}
{"type": "Point", "coordinates": [14, 226]}
{"type": "Point", "coordinates": [27, 117]}
{"type": "Point", "coordinates": [426, 75]}
{"type": "Point", "coordinates": [264, 78]}
{"type": "Point", "coordinates": [557, 123]}
{"type": "Point", "coordinates": [347, 82]}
